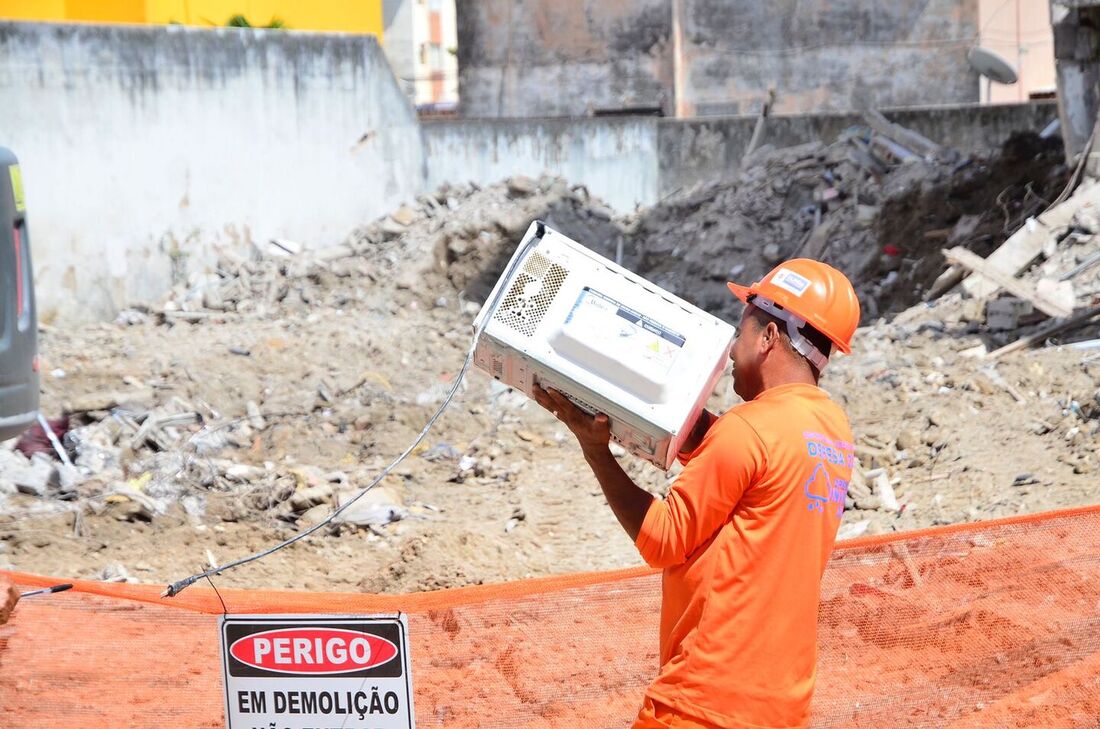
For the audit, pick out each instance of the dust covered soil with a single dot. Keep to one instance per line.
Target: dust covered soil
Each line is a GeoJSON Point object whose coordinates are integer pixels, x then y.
{"type": "Point", "coordinates": [256, 399]}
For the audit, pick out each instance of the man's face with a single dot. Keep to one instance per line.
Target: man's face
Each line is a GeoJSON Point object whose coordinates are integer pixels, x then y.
{"type": "Point", "coordinates": [746, 356]}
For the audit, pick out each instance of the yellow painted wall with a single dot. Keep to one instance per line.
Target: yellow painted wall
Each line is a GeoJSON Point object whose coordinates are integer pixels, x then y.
{"type": "Point", "coordinates": [98, 11]}
{"type": "Point", "coordinates": [334, 15]}
{"type": "Point", "coordinates": [331, 15]}
{"type": "Point", "coordinates": [32, 9]}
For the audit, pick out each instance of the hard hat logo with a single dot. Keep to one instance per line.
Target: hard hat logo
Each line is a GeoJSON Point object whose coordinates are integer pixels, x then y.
{"type": "Point", "coordinates": [788, 280]}
{"type": "Point", "coordinates": [814, 293]}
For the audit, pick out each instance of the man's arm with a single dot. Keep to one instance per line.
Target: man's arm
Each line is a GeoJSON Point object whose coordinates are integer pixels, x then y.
{"type": "Point", "coordinates": [627, 500]}
{"type": "Point", "coordinates": [695, 437]}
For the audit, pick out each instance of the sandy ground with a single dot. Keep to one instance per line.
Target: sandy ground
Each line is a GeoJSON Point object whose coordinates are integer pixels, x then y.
{"type": "Point", "coordinates": [977, 628]}
{"type": "Point", "coordinates": [958, 446]}
{"type": "Point", "coordinates": [346, 359]}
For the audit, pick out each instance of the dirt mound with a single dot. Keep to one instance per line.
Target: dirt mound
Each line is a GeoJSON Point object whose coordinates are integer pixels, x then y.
{"type": "Point", "coordinates": [882, 224]}
{"type": "Point", "coordinates": [456, 240]}
{"type": "Point", "coordinates": [471, 252]}
{"type": "Point", "coordinates": [977, 206]}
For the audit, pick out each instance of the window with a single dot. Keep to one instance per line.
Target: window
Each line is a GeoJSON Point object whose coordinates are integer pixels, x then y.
{"type": "Point", "coordinates": [435, 55]}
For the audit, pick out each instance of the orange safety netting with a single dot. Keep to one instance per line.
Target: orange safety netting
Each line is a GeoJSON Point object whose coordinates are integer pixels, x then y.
{"type": "Point", "coordinates": [983, 625]}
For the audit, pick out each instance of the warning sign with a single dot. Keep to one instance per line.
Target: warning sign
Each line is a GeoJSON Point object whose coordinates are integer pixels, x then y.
{"type": "Point", "coordinates": [316, 672]}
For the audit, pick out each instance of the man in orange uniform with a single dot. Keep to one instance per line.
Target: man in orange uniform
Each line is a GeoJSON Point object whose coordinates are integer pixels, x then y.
{"type": "Point", "coordinates": [745, 532]}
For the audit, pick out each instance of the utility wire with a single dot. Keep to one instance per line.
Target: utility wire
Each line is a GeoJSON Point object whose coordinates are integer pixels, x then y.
{"type": "Point", "coordinates": [177, 587]}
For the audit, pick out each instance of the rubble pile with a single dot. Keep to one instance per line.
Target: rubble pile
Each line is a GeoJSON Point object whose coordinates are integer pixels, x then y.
{"type": "Point", "coordinates": [460, 237]}
{"type": "Point", "coordinates": [932, 412]}
{"type": "Point", "coordinates": [261, 395]}
{"type": "Point", "coordinates": [849, 203]}
{"type": "Point", "coordinates": [977, 205]}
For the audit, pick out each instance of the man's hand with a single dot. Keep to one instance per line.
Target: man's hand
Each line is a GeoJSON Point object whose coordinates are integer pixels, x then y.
{"type": "Point", "coordinates": [627, 501]}
{"type": "Point", "coordinates": [593, 433]}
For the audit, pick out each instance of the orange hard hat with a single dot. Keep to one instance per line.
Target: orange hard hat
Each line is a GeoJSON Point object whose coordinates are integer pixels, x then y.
{"type": "Point", "coordinates": [813, 292]}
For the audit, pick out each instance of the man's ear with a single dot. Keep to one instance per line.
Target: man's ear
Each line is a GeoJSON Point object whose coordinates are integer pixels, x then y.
{"type": "Point", "coordinates": [769, 337]}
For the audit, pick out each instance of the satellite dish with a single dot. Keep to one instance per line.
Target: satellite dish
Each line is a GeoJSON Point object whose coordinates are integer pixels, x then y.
{"type": "Point", "coordinates": [991, 65]}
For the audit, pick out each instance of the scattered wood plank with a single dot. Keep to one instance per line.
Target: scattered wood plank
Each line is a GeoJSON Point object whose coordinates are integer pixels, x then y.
{"type": "Point", "coordinates": [1048, 331]}
{"type": "Point", "coordinates": [997, 379]}
{"type": "Point", "coordinates": [818, 240]}
{"type": "Point", "coordinates": [758, 130]}
{"type": "Point", "coordinates": [938, 234]}
{"type": "Point", "coordinates": [946, 281]}
{"type": "Point", "coordinates": [915, 141]}
{"type": "Point", "coordinates": [964, 230]}
{"type": "Point", "coordinates": [1016, 287]}
{"type": "Point", "coordinates": [1026, 244]}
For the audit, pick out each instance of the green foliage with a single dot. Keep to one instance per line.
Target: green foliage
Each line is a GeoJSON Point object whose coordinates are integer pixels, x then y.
{"type": "Point", "coordinates": [240, 21]}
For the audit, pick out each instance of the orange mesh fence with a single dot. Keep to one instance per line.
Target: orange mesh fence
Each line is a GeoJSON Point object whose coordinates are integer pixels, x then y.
{"type": "Point", "coordinates": [987, 625]}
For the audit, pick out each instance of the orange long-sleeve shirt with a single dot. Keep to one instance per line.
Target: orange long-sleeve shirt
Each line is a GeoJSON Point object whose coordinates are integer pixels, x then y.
{"type": "Point", "coordinates": [744, 536]}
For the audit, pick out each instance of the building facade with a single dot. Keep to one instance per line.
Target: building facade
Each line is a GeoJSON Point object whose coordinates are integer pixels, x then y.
{"type": "Point", "coordinates": [1020, 32]}
{"type": "Point", "coordinates": [720, 57]}
{"type": "Point", "coordinates": [421, 44]}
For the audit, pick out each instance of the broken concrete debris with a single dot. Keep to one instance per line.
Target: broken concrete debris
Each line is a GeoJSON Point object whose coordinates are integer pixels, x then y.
{"type": "Point", "coordinates": [470, 242]}
{"type": "Point", "coordinates": [34, 476]}
{"type": "Point", "coordinates": [881, 221]}
{"type": "Point", "coordinates": [1006, 313]}
{"type": "Point", "coordinates": [350, 347]}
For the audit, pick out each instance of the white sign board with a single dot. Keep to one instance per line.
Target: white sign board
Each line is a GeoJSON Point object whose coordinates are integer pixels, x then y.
{"type": "Point", "coordinates": [316, 672]}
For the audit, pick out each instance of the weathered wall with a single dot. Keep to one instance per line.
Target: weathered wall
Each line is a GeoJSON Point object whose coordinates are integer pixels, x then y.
{"type": "Point", "coordinates": [615, 158]}
{"type": "Point", "coordinates": [572, 57]}
{"type": "Point", "coordinates": [827, 55]}
{"type": "Point", "coordinates": [632, 161]}
{"type": "Point", "coordinates": [563, 57]}
{"type": "Point", "coordinates": [1077, 59]}
{"type": "Point", "coordinates": [705, 149]}
{"type": "Point", "coordinates": [143, 148]}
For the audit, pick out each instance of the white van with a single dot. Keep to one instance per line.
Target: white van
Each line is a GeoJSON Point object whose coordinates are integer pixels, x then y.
{"type": "Point", "coordinates": [18, 324]}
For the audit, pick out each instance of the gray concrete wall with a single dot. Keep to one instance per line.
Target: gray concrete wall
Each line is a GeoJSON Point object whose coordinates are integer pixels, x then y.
{"type": "Point", "coordinates": [692, 150]}
{"type": "Point", "coordinates": [544, 58]}
{"type": "Point", "coordinates": [631, 161]}
{"type": "Point", "coordinates": [615, 158]}
{"type": "Point", "coordinates": [145, 148]}
{"type": "Point", "coordinates": [827, 55]}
